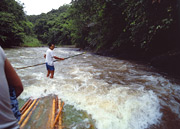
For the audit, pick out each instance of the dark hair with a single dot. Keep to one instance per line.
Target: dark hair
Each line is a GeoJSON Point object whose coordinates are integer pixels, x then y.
{"type": "Point", "coordinates": [50, 44]}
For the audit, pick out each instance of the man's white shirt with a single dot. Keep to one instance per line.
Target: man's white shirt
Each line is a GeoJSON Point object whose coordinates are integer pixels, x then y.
{"type": "Point", "coordinates": [49, 57]}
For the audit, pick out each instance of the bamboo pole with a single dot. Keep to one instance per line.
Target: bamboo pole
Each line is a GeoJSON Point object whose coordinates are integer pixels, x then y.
{"type": "Point", "coordinates": [56, 105]}
{"type": "Point", "coordinates": [26, 112]}
{"type": "Point", "coordinates": [27, 106]}
{"type": "Point", "coordinates": [53, 112]}
{"type": "Point", "coordinates": [28, 116]}
{"type": "Point", "coordinates": [58, 115]}
{"type": "Point", "coordinates": [45, 63]}
{"type": "Point", "coordinates": [22, 108]}
{"type": "Point", "coordinates": [60, 118]}
{"type": "Point", "coordinates": [31, 66]}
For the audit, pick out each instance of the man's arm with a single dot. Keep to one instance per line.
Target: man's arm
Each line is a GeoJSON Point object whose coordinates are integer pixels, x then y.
{"type": "Point", "coordinates": [58, 58]}
{"type": "Point", "coordinates": [12, 78]}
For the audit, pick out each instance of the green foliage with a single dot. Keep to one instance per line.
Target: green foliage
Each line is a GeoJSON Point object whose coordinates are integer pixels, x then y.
{"type": "Point", "coordinates": [11, 33]}
{"type": "Point", "coordinates": [145, 21]}
{"type": "Point", "coordinates": [11, 6]}
{"type": "Point", "coordinates": [83, 16]}
{"type": "Point", "coordinates": [13, 24]}
{"type": "Point", "coordinates": [28, 27]}
{"type": "Point", "coordinates": [30, 41]}
{"type": "Point", "coordinates": [128, 25]}
{"type": "Point", "coordinates": [111, 25]}
{"type": "Point", "coordinates": [53, 26]}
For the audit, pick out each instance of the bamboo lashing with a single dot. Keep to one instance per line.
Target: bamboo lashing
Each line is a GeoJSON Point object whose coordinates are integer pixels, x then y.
{"type": "Point", "coordinates": [60, 118]}
{"type": "Point", "coordinates": [27, 118]}
{"type": "Point", "coordinates": [58, 115]}
{"type": "Point", "coordinates": [53, 113]}
{"type": "Point", "coordinates": [25, 105]}
{"type": "Point", "coordinates": [27, 111]}
{"type": "Point", "coordinates": [56, 105]}
{"type": "Point", "coordinates": [55, 121]}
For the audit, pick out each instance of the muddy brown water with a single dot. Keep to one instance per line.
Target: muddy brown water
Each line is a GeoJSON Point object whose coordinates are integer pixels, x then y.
{"type": "Point", "coordinates": [117, 94]}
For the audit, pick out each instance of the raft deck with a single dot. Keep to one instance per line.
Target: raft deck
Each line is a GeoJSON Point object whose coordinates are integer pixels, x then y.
{"type": "Point", "coordinates": [42, 113]}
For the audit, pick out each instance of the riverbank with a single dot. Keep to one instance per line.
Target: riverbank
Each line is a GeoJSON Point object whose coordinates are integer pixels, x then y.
{"type": "Point", "coordinates": [31, 41]}
{"type": "Point", "coordinates": [167, 64]}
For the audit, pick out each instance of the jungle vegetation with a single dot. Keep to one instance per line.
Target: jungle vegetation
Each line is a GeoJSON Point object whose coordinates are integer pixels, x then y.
{"type": "Point", "coordinates": [144, 27]}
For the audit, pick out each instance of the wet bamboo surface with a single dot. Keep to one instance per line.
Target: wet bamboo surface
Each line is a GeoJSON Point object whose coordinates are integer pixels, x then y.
{"type": "Point", "coordinates": [42, 113]}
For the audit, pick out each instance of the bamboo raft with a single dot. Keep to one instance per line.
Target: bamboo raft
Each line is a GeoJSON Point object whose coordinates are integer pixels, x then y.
{"type": "Point", "coordinates": [42, 113]}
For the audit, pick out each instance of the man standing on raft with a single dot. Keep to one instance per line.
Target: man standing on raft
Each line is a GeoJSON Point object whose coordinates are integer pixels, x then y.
{"type": "Point", "coordinates": [49, 60]}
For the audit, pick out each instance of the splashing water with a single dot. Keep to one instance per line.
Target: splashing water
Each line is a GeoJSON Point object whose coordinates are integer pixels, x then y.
{"type": "Point", "coordinates": [118, 94]}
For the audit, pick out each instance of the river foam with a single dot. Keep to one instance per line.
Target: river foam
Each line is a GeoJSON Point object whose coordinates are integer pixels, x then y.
{"type": "Point", "coordinates": [79, 83]}
{"type": "Point", "coordinates": [112, 106]}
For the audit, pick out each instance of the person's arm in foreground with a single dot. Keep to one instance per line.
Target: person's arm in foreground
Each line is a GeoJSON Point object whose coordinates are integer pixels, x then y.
{"type": "Point", "coordinates": [12, 78]}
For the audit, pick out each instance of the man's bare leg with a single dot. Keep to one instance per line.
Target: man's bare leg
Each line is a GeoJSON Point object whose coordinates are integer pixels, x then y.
{"type": "Point", "coordinates": [52, 74]}
{"type": "Point", "coordinates": [48, 73]}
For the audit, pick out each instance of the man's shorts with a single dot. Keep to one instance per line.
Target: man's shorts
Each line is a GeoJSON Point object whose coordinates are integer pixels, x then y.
{"type": "Point", "coordinates": [14, 103]}
{"type": "Point", "coordinates": [49, 67]}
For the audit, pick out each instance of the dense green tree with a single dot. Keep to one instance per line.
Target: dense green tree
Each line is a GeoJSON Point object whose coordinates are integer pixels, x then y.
{"type": "Point", "coordinates": [144, 27]}
{"type": "Point", "coordinates": [52, 27]}
{"type": "Point", "coordinates": [150, 24]}
{"type": "Point", "coordinates": [11, 32]}
{"type": "Point", "coordinates": [141, 26]}
{"type": "Point", "coordinates": [13, 23]}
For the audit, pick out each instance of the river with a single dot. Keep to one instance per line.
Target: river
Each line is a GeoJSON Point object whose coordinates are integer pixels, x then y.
{"type": "Point", "coordinates": [117, 94]}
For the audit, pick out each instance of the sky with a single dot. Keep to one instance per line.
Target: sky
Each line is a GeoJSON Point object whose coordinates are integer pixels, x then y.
{"type": "Point", "coordinates": [36, 7]}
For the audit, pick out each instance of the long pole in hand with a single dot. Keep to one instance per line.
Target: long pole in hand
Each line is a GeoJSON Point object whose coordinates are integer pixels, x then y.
{"type": "Point", "coordinates": [45, 63]}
